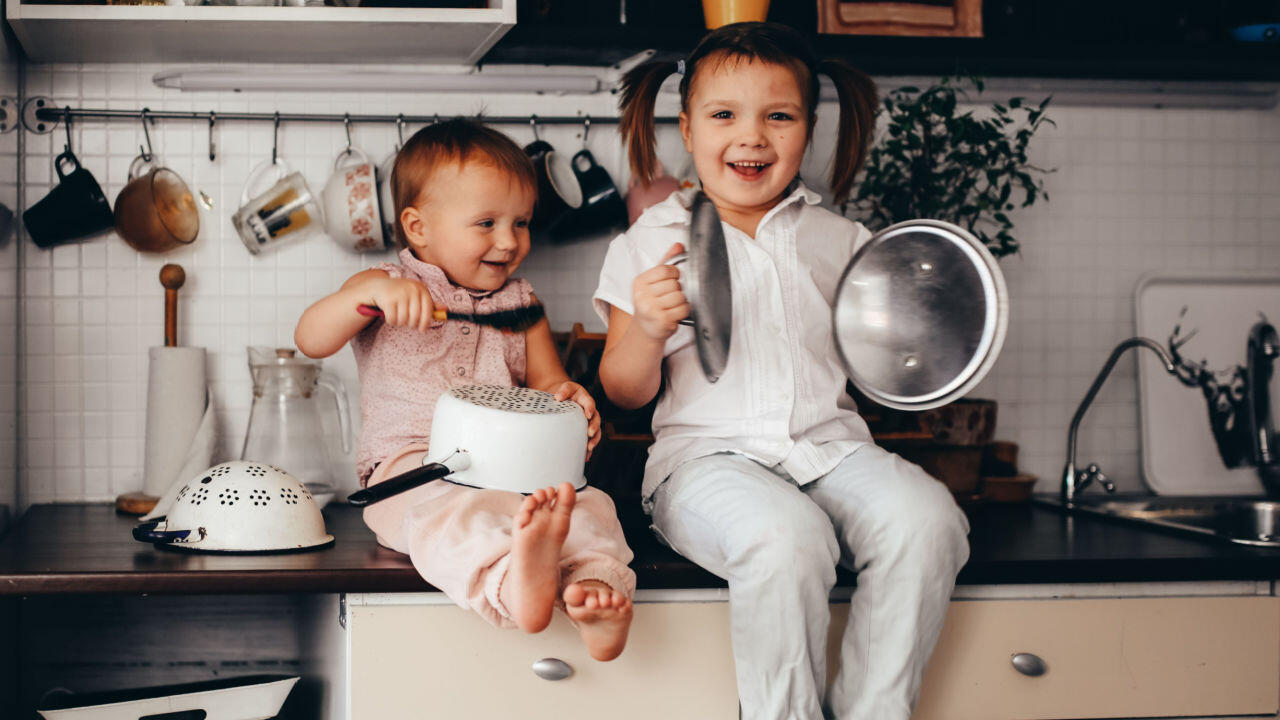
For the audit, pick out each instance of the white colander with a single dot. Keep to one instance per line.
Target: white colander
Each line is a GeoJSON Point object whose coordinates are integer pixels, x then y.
{"type": "Point", "coordinates": [240, 507]}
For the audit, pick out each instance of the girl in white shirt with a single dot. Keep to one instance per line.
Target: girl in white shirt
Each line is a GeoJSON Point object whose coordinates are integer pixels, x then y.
{"type": "Point", "coordinates": [769, 478]}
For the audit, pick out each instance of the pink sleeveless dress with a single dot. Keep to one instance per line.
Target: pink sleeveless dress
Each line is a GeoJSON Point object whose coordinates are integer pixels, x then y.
{"type": "Point", "coordinates": [403, 372]}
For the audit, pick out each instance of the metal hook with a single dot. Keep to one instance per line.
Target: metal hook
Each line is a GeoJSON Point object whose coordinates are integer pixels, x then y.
{"type": "Point", "coordinates": [147, 152]}
{"type": "Point", "coordinates": [400, 130]}
{"type": "Point", "coordinates": [346, 124]}
{"type": "Point", "coordinates": [213, 149]}
{"type": "Point", "coordinates": [533, 122]}
{"type": "Point", "coordinates": [275, 138]}
{"type": "Point", "coordinates": [586, 128]}
{"type": "Point", "coordinates": [66, 121]}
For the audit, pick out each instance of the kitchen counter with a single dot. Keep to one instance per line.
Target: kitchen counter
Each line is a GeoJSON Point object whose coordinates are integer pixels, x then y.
{"type": "Point", "coordinates": [88, 549]}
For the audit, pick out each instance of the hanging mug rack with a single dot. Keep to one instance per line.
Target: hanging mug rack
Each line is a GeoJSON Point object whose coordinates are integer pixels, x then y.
{"type": "Point", "coordinates": [41, 116]}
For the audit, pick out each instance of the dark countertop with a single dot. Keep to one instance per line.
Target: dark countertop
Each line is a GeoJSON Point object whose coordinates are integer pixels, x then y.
{"type": "Point", "coordinates": [88, 548]}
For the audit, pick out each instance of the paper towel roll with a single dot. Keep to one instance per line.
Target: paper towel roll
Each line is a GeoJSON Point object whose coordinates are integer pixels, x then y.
{"type": "Point", "coordinates": [177, 401]}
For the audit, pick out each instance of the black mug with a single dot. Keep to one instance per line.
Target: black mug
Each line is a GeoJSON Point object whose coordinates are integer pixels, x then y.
{"type": "Point", "coordinates": [558, 189]}
{"type": "Point", "coordinates": [73, 209]}
{"type": "Point", "coordinates": [603, 207]}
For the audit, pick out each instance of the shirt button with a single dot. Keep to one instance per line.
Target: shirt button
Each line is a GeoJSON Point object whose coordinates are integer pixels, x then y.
{"type": "Point", "coordinates": [461, 371]}
{"type": "Point", "coordinates": [466, 330]}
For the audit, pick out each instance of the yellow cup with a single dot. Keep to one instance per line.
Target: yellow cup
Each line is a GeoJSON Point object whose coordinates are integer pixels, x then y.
{"type": "Point", "coordinates": [725, 12]}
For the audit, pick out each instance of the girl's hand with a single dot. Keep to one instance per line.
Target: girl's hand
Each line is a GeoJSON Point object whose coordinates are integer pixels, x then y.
{"type": "Point", "coordinates": [573, 391]}
{"type": "Point", "coordinates": [404, 302]}
{"type": "Point", "coordinates": [659, 301]}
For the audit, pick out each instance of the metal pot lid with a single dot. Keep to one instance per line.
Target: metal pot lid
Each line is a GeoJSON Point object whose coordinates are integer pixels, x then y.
{"type": "Point", "coordinates": [708, 288]}
{"type": "Point", "coordinates": [920, 314]}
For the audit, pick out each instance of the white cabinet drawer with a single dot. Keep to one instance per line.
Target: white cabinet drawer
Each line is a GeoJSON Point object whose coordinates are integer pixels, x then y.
{"type": "Point", "coordinates": [440, 661]}
{"type": "Point", "coordinates": [1106, 658]}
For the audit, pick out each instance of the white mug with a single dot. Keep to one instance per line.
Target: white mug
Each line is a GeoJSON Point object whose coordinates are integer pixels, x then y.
{"type": "Point", "coordinates": [350, 201]}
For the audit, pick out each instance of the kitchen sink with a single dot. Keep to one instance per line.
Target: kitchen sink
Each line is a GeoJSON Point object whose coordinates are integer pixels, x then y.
{"type": "Point", "coordinates": [1248, 521]}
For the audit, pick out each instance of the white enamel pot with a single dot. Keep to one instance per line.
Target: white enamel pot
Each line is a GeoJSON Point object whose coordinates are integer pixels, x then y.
{"type": "Point", "coordinates": [497, 438]}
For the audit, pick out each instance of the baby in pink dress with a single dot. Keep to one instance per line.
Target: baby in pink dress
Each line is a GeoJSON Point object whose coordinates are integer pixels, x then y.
{"type": "Point", "coordinates": [464, 194]}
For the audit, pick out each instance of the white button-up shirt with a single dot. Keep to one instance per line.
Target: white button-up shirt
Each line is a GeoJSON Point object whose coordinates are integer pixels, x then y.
{"type": "Point", "coordinates": [781, 399]}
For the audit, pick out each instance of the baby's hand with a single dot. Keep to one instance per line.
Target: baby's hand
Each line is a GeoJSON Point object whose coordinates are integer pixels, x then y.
{"type": "Point", "coordinates": [659, 301]}
{"type": "Point", "coordinates": [404, 302]}
{"type": "Point", "coordinates": [575, 392]}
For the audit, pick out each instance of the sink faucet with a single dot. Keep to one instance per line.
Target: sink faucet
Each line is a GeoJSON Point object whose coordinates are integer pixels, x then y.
{"type": "Point", "coordinates": [1239, 407]}
{"type": "Point", "coordinates": [1073, 480]}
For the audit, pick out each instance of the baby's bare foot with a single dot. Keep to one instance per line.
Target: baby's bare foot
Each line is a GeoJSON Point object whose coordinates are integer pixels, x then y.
{"type": "Point", "coordinates": [537, 535]}
{"type": "Point", "coordinates": [603, 617]}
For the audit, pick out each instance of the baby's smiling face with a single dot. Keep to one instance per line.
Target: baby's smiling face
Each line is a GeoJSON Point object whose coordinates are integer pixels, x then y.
{"type": "Point", "coordinates": [473, 224]}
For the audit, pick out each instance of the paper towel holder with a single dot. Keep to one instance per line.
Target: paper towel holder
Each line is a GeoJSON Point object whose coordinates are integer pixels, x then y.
{"type": "Point", "coordinates": [172, 370]}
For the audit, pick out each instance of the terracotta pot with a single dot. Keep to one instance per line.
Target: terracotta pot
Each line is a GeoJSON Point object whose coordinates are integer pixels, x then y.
{"type": "Point", "coordinates": [957, 467]}
{"type": "Point", "coordinates": [967, 423]}
{"type": "Point", "coordinates": [1008, 489]}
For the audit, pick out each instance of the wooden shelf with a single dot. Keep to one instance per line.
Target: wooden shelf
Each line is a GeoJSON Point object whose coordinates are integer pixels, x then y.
{"type": "Point", "coordinates": [136, 33]}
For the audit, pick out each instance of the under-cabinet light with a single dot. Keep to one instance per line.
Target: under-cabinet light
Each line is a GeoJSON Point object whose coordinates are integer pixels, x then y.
{"type": "Point", "coordinates": [375, 81]}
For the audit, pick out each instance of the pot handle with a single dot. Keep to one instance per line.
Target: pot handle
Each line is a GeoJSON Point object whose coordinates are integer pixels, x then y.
{"type": "Point", "coordinates": [334, 385]}
{"type": "Point", "coordinates": [140, 164]}
{"type": "Point", "coordinates": [459, 460]}
{"type": "Point", "coordinates": [678, 259]}
{"type": "Point", "coordinates": [146, 532]}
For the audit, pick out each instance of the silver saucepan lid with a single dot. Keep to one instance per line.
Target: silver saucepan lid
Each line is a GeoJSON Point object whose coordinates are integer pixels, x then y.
{"type": "Point", "coordinates": [707, 287]}
{"type": "Point", "coordinates": [920, 314]}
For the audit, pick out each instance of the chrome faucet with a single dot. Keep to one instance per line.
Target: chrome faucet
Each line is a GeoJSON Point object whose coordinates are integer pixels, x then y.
{"type": "Point", "coordinates": [1239, 403]}
{"type": "Point", "coordinates": [1074, 481]}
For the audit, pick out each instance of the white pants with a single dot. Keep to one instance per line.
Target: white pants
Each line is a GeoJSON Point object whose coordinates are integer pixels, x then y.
{"type": "Point", "coordinates": [777, 545]}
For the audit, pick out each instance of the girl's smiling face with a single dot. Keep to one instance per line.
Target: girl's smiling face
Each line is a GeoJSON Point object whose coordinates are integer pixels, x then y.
{"type": "Point", "coordinates": [474, 224]}
{"type": "Point", "coordinates": [747, 127]}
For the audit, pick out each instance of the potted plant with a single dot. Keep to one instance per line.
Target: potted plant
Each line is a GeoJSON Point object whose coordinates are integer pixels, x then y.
{"type": "Point", "coordinates": [941, 158]}
{"type": "Point", "coordinates": [937, 159]}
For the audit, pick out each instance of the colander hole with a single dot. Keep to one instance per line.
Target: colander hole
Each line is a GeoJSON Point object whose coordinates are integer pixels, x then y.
{"type": "Point", "coordinates": [513, 399]}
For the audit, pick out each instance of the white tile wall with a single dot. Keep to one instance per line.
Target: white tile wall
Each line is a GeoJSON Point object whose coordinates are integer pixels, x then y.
{"type": "Point", "coordinates": [1134, 191]}
{"type": "Point", "coordinates": [8, 291]}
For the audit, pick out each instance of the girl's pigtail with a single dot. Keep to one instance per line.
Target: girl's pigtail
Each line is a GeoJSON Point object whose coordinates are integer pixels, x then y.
{"type": "Point", "coordinates": [639, 94]}
{"type": "Point", "coordinates": [858, 104]}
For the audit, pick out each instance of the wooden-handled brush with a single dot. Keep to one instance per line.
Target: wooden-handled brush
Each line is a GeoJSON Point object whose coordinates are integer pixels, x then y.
{"type": "Point", "coordinates": [514, 320]}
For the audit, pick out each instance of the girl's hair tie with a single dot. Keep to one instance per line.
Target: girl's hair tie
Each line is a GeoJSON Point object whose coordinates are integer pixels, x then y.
{"type": "Point", "coordinates": [680, 67]}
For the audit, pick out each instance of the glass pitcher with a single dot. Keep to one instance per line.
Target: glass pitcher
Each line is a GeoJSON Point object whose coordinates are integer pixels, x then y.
{"type": "Point", "coordinates": [292, 398]}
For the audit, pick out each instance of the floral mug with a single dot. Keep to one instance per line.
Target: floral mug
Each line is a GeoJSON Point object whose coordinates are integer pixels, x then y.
{"type": "Point", "coordinates": [350, 199]}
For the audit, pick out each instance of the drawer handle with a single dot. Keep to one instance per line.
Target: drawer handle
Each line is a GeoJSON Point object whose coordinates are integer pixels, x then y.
{"type": "Point", "coordinates": [552, 669]}
{"type": "Point", "coordinates": [1029, 664]}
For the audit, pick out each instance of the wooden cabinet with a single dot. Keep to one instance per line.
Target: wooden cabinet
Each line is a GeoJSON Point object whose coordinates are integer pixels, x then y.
{"type": "Point", "coordinates": [161, 33]}
{"type": "Point", "coordinates": [420, 656]}
{"type": "Point", "coordinates": [958, 18]}
{"type": "Point", "coordinates": [413, 660]}
{"type": "Point", "coordinates": [1106, 658]}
